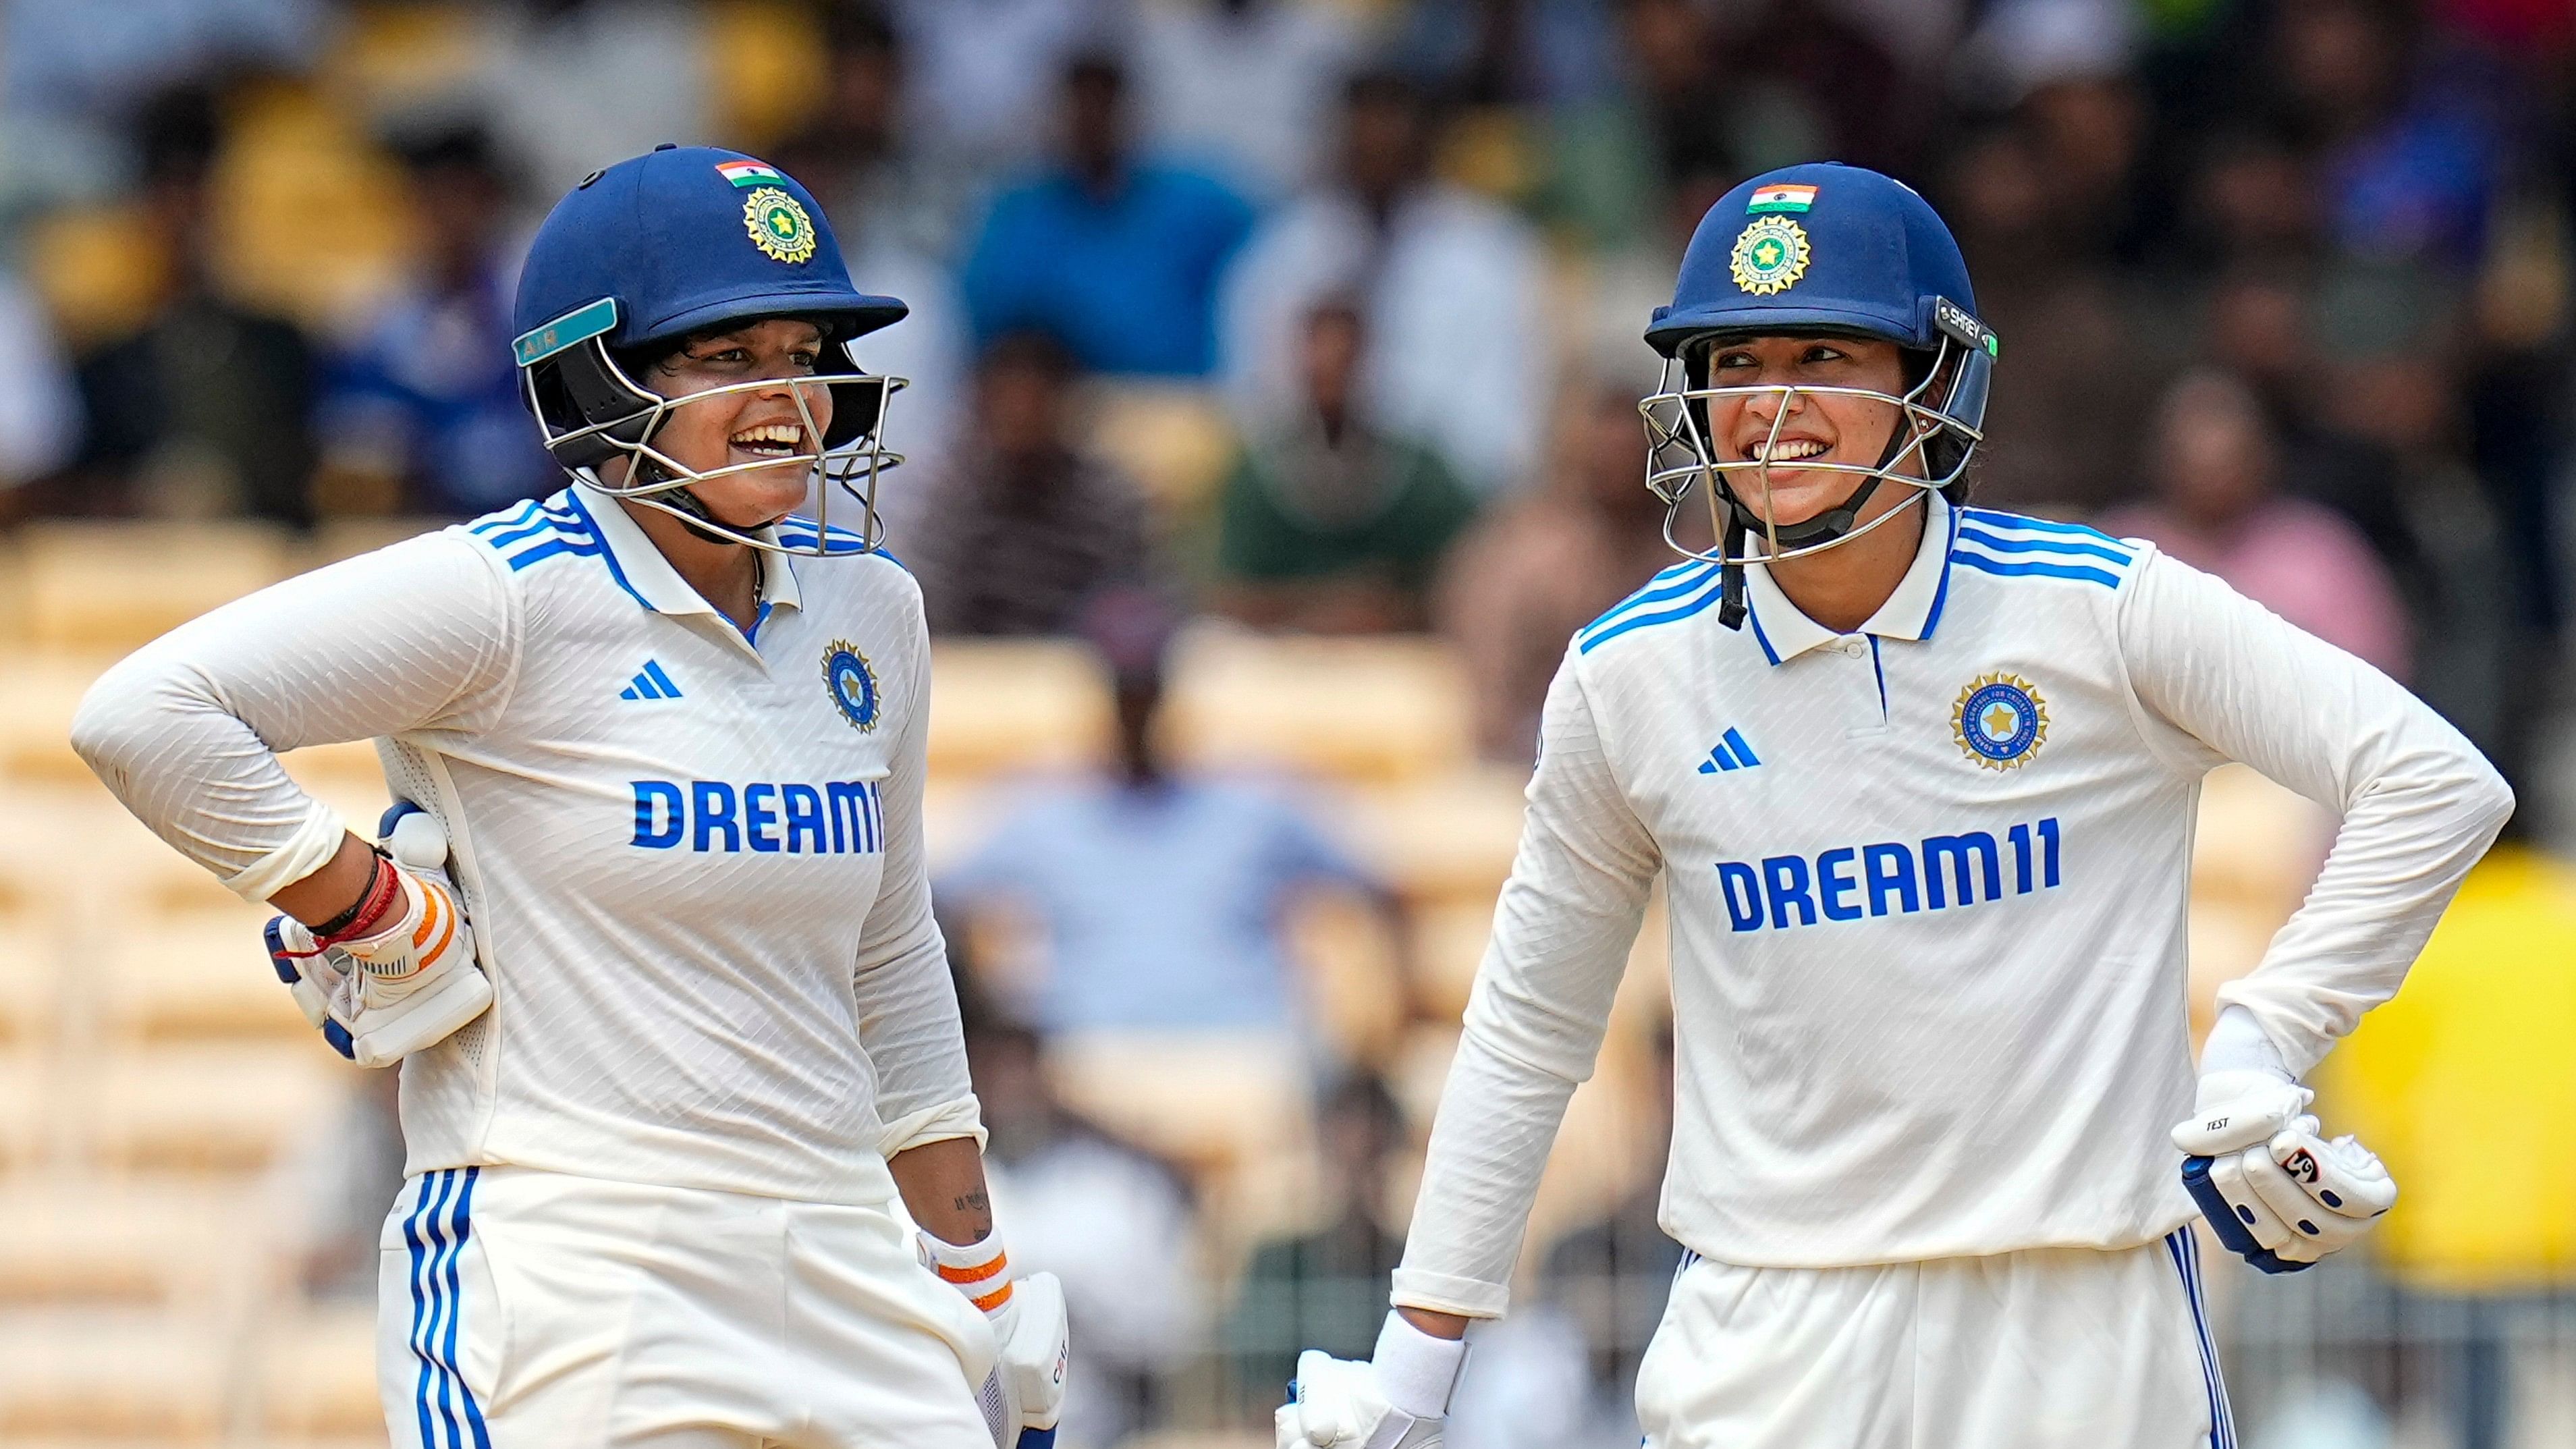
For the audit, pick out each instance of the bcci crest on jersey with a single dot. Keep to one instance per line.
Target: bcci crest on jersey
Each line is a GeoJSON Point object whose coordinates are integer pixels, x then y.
{"type": "Point", "coordinates": [853, 683]}
{"type": "Point", "coordinates": [2000, 721]}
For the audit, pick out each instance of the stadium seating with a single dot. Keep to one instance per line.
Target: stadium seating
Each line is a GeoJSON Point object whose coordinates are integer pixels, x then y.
{"type": "Point", "coordinates": [317, 1377]}
{"type": "Point", "coordinates": [93, 1377]}
{"type": "Point", "coordinates": [110, 587]}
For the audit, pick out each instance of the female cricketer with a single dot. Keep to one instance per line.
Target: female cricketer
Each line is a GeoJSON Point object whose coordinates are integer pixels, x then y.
{"type": "Point", "coordinates": [649, 931]}
{"type": "Point", "coordinates": [1920, 780]}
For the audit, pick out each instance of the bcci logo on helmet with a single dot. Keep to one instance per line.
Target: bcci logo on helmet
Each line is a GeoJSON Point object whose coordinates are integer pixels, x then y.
{"type": "Point", "coordinates": [778, 225]}
{"type": "Point", "coordinates": [853, 684]}
{"type": "Point", "coordinates": [2000, 721]}
{"type": "Point", "coordinates": [1770, 255]}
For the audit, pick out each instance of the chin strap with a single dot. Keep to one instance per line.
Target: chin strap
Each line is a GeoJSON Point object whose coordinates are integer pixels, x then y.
{"type": "Point", "coordinates": [1833, 523]}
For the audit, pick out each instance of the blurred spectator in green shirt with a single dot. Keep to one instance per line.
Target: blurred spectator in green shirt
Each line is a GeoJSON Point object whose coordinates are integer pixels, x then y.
{"type": "Point", "coordinates": [1328, 524]}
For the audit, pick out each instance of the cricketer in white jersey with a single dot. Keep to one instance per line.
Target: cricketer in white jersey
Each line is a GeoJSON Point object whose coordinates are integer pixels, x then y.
{"type": "Point", "coordinates": [1927, 877]}
{"type": "Point", "coordinates": [673, 740]}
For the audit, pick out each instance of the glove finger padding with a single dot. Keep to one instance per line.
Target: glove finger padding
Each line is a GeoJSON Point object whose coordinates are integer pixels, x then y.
{"type": "Point", "coordinates": [2240, 1109]}
{"type": "Point", "coordinates": [1035, 1349]}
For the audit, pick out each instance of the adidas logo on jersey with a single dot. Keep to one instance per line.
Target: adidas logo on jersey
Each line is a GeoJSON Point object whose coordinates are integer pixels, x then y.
{"type": "Point", "coordinates": [1732, 753]}
{"type": "Point", "coordinates": [650, 683]}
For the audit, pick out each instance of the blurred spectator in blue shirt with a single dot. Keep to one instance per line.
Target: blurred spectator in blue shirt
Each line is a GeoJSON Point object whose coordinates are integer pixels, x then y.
{"type": "Point", "coordinates": [1118, 255]}
{"type": "Point", "coordinates": [1159, 896]}
{"type": "Point", "coordinates": [39, 411]}
{"type": "Point", "coordinates": [1455, 290]}
{"type": "Point", "coordinates": [424, 409]}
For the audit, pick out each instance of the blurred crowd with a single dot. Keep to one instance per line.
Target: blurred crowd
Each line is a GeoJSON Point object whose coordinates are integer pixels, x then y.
{"type": "Point", "coordinates": [1322, 317]}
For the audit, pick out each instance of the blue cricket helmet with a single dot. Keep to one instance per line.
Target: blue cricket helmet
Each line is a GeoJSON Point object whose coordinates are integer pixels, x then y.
{"type": "Point", "coordinates": [1821, 249]}
{"type": "Point", "coordinates": [1870, 257]}
{"type": "Point", "coordinates": [645, 253]}
{"type": "Point", "coordinates": [674, 238]}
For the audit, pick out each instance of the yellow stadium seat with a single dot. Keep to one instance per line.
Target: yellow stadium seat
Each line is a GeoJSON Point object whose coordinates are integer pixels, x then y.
{"type": "Point", "coordinates": [765, 69]}
{"type": "Point", "coordinates": [1447, 837]}
{"type": "Point", "coordinates": [208, 1108]}
{"type": "Point", "coordinates": [43, 691]}
{"type": "Point", "coordinates": [32, 955]}
{"type": "Point", "coordinates": [318, 1376]}
{"type": "Point", "coordinates": [1176, 441]}
{"type": "Point", "coordinates": [312, 219]}
{"type": "Point", "coordinates": [26, 1102]}
{"type": "Point", "coordinates": [1017, 704]}
{"type": "Point", "coordinates": [195, 975]}
{"type": "Point", "coordinates": [80, 1238]}
{"type": "Point", "coordinates": [126, 1378]}
{"type": "Point", "coordinates": [1371, 709]}
{"type": "Point", "coordinates": [111, 586]}
{"type": "Point", "coordinates": [1203, 1099]}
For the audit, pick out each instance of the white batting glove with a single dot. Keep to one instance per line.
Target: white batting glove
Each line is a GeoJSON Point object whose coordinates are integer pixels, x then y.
{"type": "Point", "coordinates": [1399, 1399]}
{"type": "Point", "coordinates": [2275, 1191]}
{"type": "Point", "coordinates": [402, 975]}
{"type": "Point", "coordinates": [1023, 1396]}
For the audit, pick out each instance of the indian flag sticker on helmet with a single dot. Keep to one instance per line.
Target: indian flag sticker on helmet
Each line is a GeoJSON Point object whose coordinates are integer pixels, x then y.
{"type": "Point", "coordinates": [1770, 256]}
{"type": "Point", "coordinates": [778, 225]}
{"type": "Point", "coordinates": [1780, 197]}
{"type": "Point", "coordinates": [748, 173]}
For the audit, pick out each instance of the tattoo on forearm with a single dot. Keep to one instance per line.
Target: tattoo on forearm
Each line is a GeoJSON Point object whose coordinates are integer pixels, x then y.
{"type": "Point", "coordinates": [974, 1202]}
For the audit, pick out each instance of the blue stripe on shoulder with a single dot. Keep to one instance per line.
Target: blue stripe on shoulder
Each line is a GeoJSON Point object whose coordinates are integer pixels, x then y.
{"type": "Point", "coordinates": [1594, 640]}
{"type": "Point", "coordinates": [2082, 572]}
{"type": "Point", "coordinates": [579, 547]}
{"type": "Point", "coordinates": [1673, 582]}
{"type": "Point", "coordinates": [2060, 546]}
{"type": "Point", "coordinates": [1997, 518]}
{"type": "Point", "coordinates": [494, 523]}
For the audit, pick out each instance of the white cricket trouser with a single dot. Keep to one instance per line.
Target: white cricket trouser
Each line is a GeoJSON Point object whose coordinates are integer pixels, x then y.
{"type": "Point", "coordinates": [519, 1309]}
{"type": "Point", "coordinates": [2052, 1348]}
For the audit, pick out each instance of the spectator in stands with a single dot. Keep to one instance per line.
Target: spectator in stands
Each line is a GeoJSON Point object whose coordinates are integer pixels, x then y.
{"type": "Point", "coordinates": [207, 408]}
{"type": "Point", "coordinates": [1327, 1289]}
{"type": "Point", "coordinates": [984, 70]}
{"type": "Point", "coordinates": [1611, 1274]}
{"type": "Point", "coordinates": [2410, 164]}
{"type": "Point", "coordinates": [1242, 87]}
{"type": "Point", "coordinates": [895, 215]}
{"type": "Point", "coordinates": [1019, 527]}
{"type": "Point", "coordinates": [2218, 507]}
{"type": "Point", "coordinates": [1540, 567]}
{"type": "Point", "coordinates": [1117, 254]}
{"type": "Point", "coordinates": [1158, 894]}
{"type": "Point", "coordinates": [572, 85]}
{"type": "Point", "coordinates": [1458, 350]}
{"type": "Point", "coordinates": [423, 414]}
{"type": "Point", "coordinates": [39, 408]}
{"type": "Point", "coordinates": [1509, 52]}
{"type": "Point", "coordinates": [1113, 1223]}
{"type": "Point", "coordinates": [1327, 524]}
{"type": "Point", "coordinates": [859, 154]}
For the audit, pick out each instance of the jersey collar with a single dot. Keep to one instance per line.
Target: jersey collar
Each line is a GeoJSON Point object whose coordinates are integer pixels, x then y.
{"type": "Point", "coordinates": [1910, 613]}
{"type": "Point", "coordinates": [648, 577]}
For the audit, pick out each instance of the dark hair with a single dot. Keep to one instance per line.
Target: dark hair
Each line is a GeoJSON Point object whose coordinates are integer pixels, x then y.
{"type": "Point", "coordinates": [859, 27]}
{"type": "Point", "coordinates": [1029, 349]}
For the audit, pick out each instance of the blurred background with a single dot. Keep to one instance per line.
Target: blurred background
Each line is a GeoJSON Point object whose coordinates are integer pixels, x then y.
{"type": "Point", "coordinates": [1273, 426]}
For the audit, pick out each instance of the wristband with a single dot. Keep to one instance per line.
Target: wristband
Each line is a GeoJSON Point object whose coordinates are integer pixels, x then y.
{"type": "Point", "coordinates": [359, 921]}
{"type": "Point", "coordinates": [1417, 1371]}
{"type": "Point", "coordinates": [981, 1271]}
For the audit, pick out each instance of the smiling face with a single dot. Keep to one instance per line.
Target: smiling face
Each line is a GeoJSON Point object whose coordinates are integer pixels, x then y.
{"type": "Point", "coordinates": [757, 429]}
{"type": "Point", "coordinates": [1811, 427]}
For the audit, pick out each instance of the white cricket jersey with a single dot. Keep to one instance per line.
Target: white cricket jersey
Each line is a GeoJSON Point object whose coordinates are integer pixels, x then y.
{"type": "Point", "coordinates": [1927, 888]}
{"type": "Point", "coordinates": [691, 853]}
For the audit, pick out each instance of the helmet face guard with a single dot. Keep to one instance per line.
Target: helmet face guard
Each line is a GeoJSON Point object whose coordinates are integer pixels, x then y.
{"type": "Point", "coordinates": [1936, 432]}
{"type": "Point", "coordinates": [592, 412]}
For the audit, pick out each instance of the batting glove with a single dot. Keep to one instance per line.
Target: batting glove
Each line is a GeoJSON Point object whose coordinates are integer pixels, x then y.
{"type": "Point", "coordinates": [2277, 1193]}
{"type": "Point", "coordinates": [401, 975]}
{"type": "Point", "coordinates": [1399, 1399]}
{"type": "Point", "coordinates": [1023, 1396]}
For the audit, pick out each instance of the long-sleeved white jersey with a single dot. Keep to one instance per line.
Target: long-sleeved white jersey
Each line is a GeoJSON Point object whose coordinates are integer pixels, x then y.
{"type": "Point", "coordinates": [1927, 888]}
{"type": "Point", "coordinates": [692, 858]}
